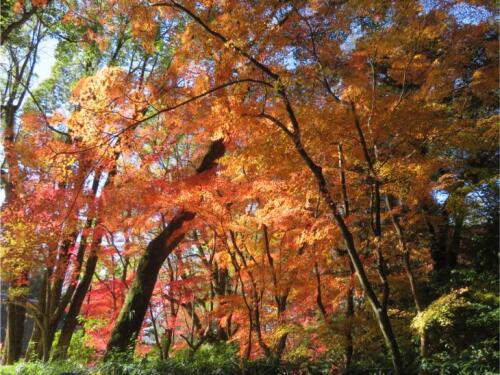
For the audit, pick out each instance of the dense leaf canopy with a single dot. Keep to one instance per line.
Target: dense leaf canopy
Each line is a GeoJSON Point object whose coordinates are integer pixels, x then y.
{"type": "Point", "coordinates": [299, 182]}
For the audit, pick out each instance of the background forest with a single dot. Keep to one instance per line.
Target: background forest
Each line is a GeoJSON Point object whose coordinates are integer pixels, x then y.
{"type": "Point", "coordinates": [249, 187]}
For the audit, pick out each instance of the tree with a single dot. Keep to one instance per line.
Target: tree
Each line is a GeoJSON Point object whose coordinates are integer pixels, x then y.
{"type": "Point", "coordinates": [132, 314]}
{"type": "Point", "coordinates": [19, 65]}
{"type": "Point", "coordinates": [355, 152]}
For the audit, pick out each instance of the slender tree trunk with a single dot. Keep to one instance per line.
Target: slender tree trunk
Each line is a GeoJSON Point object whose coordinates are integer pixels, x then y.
{"type": "Point", "coordinates": [254, 309]}
{"type": "Point", "coordinates": [13, 100]}
{"type": "Point", "coordinates": [349, 349]}
{"type": "Point", "coordinates": [49, 339]}
{"type": "Point", "coordinates": [349, 313]}
{"type": "Point", "coordinates": [408, 271]}
{"type": "Point", "coordinates": [379, 307]}
{"type": "Point", "coordinates": [380, 314]}
{"type": "Point", "coordinates": [319, 297]}
{"type": "Point", "coordinates": [248, 350]}
{"type": "Point", "coordinates": [33, 343]}
{"type": "Point", "coordinates": [155, 330]}
{"type": "Point", "coordinates": [15, 313]}
{"type": "Point", "coordinates": [279, 296]}
{"type": "Point", "coordinates": [166, 343]}
{"type": "Point", "coordinates": [71, 320]}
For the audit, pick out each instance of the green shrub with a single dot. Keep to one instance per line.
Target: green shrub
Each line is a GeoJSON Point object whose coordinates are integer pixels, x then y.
{"type": "Point", "coordinates": [462, 332]}
{"type": "Point", "coordinates": [218, 359]}
{"type": "Point", "coordinates": [38, 368]}
{"type": "Point", "coordinates": [481, 359]}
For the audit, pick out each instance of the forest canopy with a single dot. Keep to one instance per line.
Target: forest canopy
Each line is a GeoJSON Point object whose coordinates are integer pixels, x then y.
{"type": "Point", "coordinates": [249, 187]}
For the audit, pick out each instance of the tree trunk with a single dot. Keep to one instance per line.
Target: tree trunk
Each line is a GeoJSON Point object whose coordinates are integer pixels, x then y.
{"type": "Point", "coordinates": [166, 343]}
{"type": "Point", "coordinates": [76, 304]}
{"type": "Point", "coordinates": [408, 271]}
{"type": "Point", "coordinates": [380, 313]}
{"type": "Point", "coordinates": [16, 315]}
{"type": "Point", "coordinates": [349, 314]}
{"type": "Point", "coordinates": [132, 314]}
{"type": "Point", "coordinates": [50, 332]}
{"type": "Point", "coordinates": [33, 343]}
{"type": "Point", "coordinates": [13, 100]}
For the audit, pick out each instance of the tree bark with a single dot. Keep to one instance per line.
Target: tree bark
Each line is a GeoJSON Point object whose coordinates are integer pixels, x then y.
{"type": "Point", "coordinates": [76, 304]}
{"type": "Point", "coordinates": [131, 316]}
{"type": "Point", "coordinates": [294, 135]}
{"type": "Point", "coordinates": [349, 314]}
{"type": "Point", "coordinates": [166, 343]}
{"type": "Point", "coordinates": [380, 313]}
{"type": "Point", "coordinates": [11, 103]}
{"type": "Point", "coordinates": [16, 315]}
{"type": "Point", "coordinates": [279, 296]}
{"type": "Point", "coordinates": [409, 272]}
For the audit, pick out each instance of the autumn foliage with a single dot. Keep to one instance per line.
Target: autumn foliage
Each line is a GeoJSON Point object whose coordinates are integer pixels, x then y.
{"type": "Point", "coordinates": [305, 181]}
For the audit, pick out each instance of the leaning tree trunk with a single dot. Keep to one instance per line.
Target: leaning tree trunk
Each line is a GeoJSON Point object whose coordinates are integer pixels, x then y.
{"type": "Point", "coordinates": [409, 272]}
{"type": "Point", "coordinates": [295, 136]}
{"type": "Point", "coordinates": [378, 310]}
{"type": "Point", "coordinates": [71, 320]}
{"type": "Point", "coordinates": [131, 316]}
{"type": "Point", "coordinates": [76, 303]}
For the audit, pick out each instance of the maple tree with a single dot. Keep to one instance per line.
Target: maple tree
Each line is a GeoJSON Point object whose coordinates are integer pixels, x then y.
{"type": "Point", "coordinates": [304, 180]}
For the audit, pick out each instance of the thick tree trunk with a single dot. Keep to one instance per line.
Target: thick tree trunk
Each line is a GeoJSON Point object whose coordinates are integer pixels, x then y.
{"type": "Point", "coordinates": [16, 315]}
{"type": "Point", "coordinates": [131, 316]}
{"type": "Point", "coordinates": [136, 304]}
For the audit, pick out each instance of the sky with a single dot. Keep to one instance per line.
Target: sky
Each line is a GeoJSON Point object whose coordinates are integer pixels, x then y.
{"type": "Point", "coordinates": [46, 60]}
